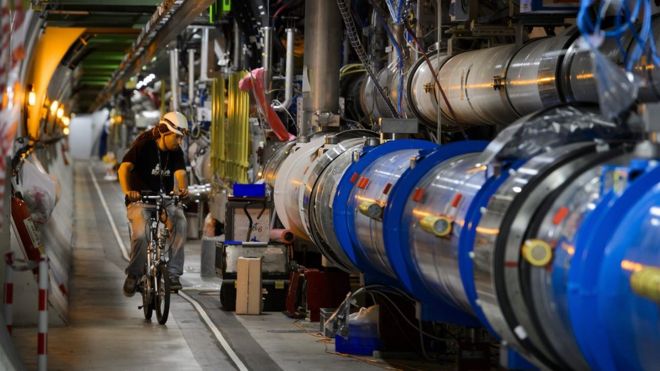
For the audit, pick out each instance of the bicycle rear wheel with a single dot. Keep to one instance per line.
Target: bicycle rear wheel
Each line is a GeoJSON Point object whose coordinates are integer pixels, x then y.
{"type": "Point", "coordinates": [162, 294]}
{"type": "Point", "coordinates": [147, 296]}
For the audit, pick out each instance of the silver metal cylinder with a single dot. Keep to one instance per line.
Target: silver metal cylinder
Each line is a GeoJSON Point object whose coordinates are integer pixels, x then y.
{"type": "Point", "coordinates": [438, 115]}
{"type": "Point", "coordinates": [497, 249]}
{"type": "Point", "coordinates": [191, 77]}
{"type": "Point", "coordinates": [272, 166]}
{"type": "Point", "coordinates": [318, 200]}
{"type": "Point", "coordinates": [237, 48]}
{"type": "Point", "coordinates": [288, 81]}
{"type": "Point", "coordinates": [449, 190]}
{"type": "Point", "coordinates": [204, 55]}
{"type": "Point", "coordinates": [289, 184]}
{"type": "Point", "coordinates": [548, 285]}
{"type": "Point", "coordinates": [322, 207]}
{"type": "Point", "coordinates": [531, 78]}
{"type": "Point", "coordinates": [174, 78]}
{"type": "Point", "coordinates": [373, 196]}
{"type": "Point", "coordinates": [298, 175]}
{"type": "Point", "coordinates": [475, 85]}
{"type": "Point", "coordinates": [577, 75]}
{"type": "Point", "coordinates": [267, 60]}
{"type": "Point", "coordinates": [323, 34]}
{"type": "Point", "coordinates": [500, 84]}
{"type": "Point", "coordinates": [422, 90]}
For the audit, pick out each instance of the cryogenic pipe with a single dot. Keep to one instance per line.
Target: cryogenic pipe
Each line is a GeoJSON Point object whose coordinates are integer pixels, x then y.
{"type": "Point", "coordinates": [191, 77]}
{"type": "Point", "coordinates": [501, 84]}
{"type": "Point", "coordinates": [174, 78]}
{"type": "Point", "coordinates": [488, 86]}
{"type": "Point", "coordinates": [204, 56]}
{"type": "Point", "coordinates": [288, 82]}
{"type": "Point", "coordinates": [267, 61]}
{"type": "Point", "coordinates": [323, 33]}
{"type": "Point", "coordinates": [237, 47]}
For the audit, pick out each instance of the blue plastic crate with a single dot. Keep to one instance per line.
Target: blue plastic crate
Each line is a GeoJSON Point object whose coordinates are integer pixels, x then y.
{"type": "Point", "coordinates": [250, 190]}
{"type": "Point", "coordinates": [356, 345]}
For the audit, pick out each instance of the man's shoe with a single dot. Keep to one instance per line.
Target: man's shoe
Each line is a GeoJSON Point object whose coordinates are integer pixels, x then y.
{"type": "Point", "coordinates": [175, 284]}
{"type": "Point", "coordinates": [129, 285]}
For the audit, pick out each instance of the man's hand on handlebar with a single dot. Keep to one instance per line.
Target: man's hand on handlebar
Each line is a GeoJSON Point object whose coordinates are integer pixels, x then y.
{"type": "Point", "coordinates": [182, 193]}
{"type": "Point", "coordinates": [133, 196]}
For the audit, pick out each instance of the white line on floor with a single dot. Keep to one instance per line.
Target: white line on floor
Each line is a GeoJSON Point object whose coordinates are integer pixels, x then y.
{"type": "Point", "coordinates": [218, 335]}
{"type": "Point", "coordinates": [124, 250]}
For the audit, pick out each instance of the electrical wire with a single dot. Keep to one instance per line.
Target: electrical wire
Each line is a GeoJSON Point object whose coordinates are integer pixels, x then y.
{"type": "Point", "coordinates": [625, 21]}
{"type": "Point", "coordinates": [437, 82]}
{"type": "Point", "coordinates": [380, 290]}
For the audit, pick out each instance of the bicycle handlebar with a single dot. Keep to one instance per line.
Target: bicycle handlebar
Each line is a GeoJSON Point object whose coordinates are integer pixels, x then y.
{"type": "Point", "coordinates": [162, 197]}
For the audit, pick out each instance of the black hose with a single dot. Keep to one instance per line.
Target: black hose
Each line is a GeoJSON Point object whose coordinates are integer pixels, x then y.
{"type": "Point", "coordinates": [251, 223]}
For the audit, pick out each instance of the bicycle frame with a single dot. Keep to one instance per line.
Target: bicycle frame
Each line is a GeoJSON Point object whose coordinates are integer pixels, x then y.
{"type": "Point", "coordinates": [160, 235]}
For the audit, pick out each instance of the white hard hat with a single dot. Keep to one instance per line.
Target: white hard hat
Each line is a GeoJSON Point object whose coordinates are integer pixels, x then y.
{"type": "Point", "coordinates": [176, 122]}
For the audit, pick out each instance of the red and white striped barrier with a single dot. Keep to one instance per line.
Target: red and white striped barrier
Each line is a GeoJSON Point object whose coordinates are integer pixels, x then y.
{"type": "Point", "coordinates": [42, 337]}
{"type": "Point", "coordinates": [42, 325]}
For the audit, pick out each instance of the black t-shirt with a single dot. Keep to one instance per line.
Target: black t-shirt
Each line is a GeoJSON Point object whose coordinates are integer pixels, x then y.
{"type": "Point", "coordinates": [148, 161]}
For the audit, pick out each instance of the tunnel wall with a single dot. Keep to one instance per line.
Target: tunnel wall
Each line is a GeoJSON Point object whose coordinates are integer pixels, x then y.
{"type": "Point", "coordinates": [56, 236]}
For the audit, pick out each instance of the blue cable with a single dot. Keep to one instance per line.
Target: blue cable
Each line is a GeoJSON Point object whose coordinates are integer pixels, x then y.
{"type": "Point", "coordinates": [644, 39]}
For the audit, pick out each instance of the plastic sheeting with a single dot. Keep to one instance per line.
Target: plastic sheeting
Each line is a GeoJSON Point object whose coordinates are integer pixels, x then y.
{"type": "Point", "coordinates": [535, 133]}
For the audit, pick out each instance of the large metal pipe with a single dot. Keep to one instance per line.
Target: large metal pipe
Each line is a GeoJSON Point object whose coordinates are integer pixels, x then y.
{"type": "Point", "coordinates": [438, 116]}
{"type": "Point", "coordinates": [267, 61]}
{"type": "Point", "coordinates": [323, 34]}
{"type": "Point", "coordinates": [288, 81]}
{"type": "Point", "coordinates": [237, 48]}
{"type": "Point", "coordinates": [204, 56]}
{"type": "Point", "coordinates": [174, 78]}
{"type": "Point", "coordinates": [191, 77]}
{"type": "Point", "coordinates": [498, 85]}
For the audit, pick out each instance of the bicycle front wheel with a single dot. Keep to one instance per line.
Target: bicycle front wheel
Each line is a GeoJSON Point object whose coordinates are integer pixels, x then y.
{"type": "Point", "coordinates": [147, 296]}
{"type": "Point", "coordinates": [162, 299]}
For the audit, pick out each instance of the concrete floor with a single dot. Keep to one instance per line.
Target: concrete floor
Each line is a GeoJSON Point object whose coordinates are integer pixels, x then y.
{"type": "Point", "coordinates": [106, 331]}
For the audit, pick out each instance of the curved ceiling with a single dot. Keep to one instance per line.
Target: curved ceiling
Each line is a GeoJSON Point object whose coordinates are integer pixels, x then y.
{"type": "Point", "coordinates": [111, 28]}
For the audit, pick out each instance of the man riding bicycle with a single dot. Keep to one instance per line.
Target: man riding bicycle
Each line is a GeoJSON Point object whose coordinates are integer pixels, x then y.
{"type": "Point", "coordinates": [152, 164]}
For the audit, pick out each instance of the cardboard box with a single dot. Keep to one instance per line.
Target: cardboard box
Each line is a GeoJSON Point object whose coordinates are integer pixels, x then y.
{"type": "Point", "coordinates": [248, 286]}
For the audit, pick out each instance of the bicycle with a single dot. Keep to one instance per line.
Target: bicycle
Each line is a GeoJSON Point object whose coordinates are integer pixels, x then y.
{"type": "Point", "coordinates": [155, 283]}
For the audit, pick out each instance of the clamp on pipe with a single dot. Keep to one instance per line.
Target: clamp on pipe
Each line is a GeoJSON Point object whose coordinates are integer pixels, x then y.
{"type": "Point", "coordinates": [440, 226]}
{"type": "Point", "coordinates": [537, 252]}
{"type": "Point", "coordinates": [646, 283]}
{"type": "Point", "coordinates": [371, 209]}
